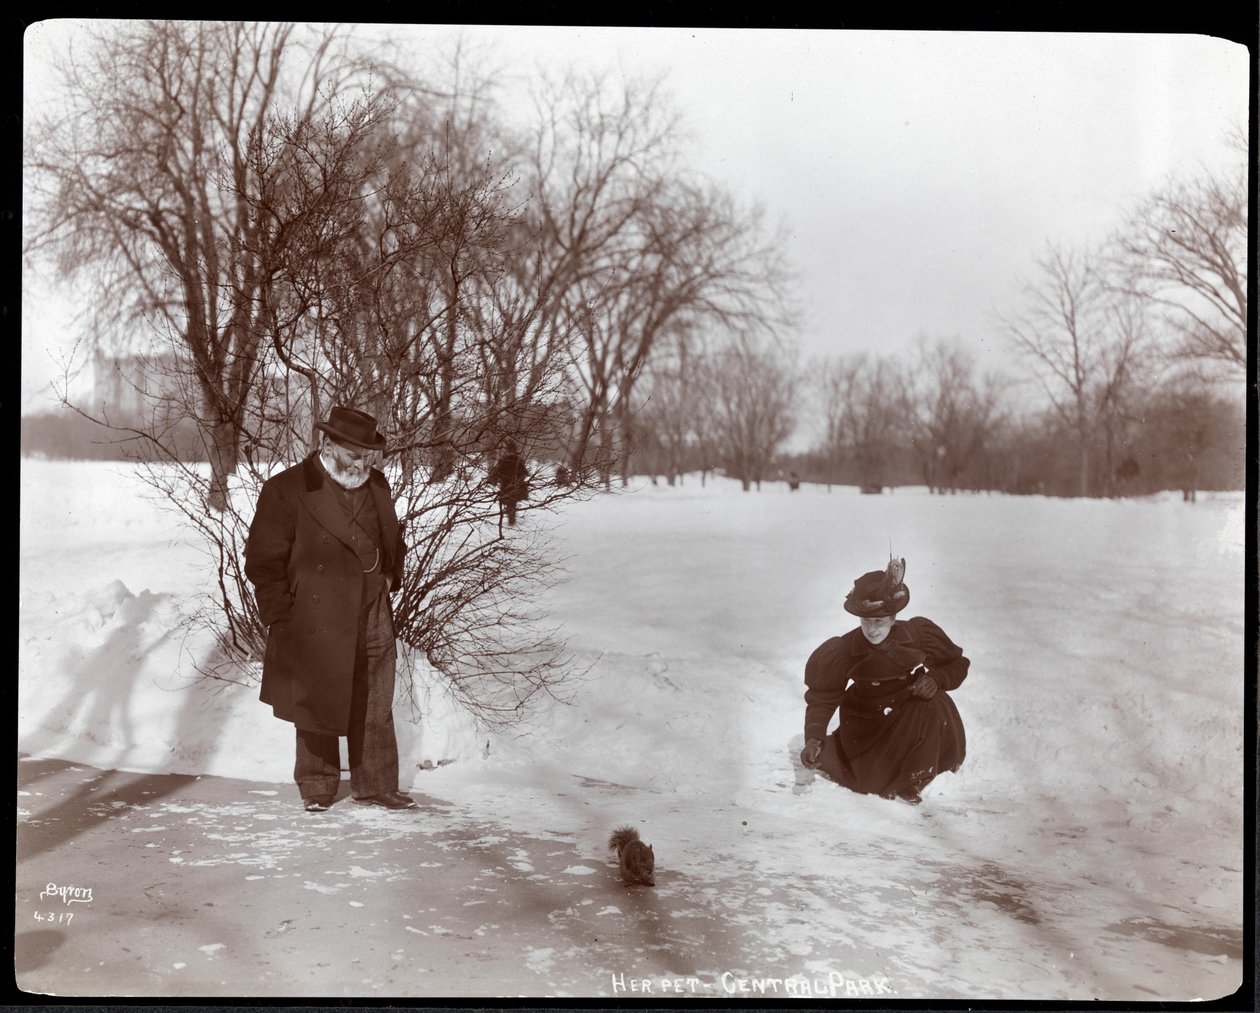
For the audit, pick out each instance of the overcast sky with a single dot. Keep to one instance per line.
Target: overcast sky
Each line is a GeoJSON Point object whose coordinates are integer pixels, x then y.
{"type": "Point", "coordinates": [918, 174]}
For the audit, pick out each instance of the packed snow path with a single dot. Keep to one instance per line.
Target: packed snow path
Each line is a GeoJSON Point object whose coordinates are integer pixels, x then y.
{"type": "Point", "coordinates": [160, 885]}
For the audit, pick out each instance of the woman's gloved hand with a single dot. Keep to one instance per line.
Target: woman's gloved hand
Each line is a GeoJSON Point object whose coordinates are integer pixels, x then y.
{"type": "Point", "coordinates": [811, 755]}
{"type": "Point", "coordinates": [924, 685]}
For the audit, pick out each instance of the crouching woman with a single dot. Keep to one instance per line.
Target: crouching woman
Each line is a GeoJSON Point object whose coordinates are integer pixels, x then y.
{"type": "Point", "coordinates": [890, 679]}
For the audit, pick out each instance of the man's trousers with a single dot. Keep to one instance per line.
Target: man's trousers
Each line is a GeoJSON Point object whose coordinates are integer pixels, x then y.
{"type": "Point", "coordinates": [372, 745]}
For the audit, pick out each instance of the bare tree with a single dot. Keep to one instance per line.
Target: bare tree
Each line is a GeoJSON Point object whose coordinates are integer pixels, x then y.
{"type": "Point", "coordinates": [598, 159]}
{"type": "Point", "coordinates": [1195, 435]}
{"type": "Point", "coordinates": [703, 263]}
{"type": "Point", "coordinates": [1185, 250]}
{"type": "Point", "coordinates": [1085, 345]}
{"type": "Point", "coordinates": [863, 399]}
{"type": "Point", "coordinates": [702, 393]}
{"type": "Point", "coordinates": [951, 411]}
{"type": "Point", "coordinates": [639, 249]}
{"type": "Point", "coordinates": [375, 274]}
{"type": "Point", "coordinates": [1126, 366]}
{"type": "Point", "coordinates": [831, 384]}
{"type": "Point", "coordinates": [139, 178]}
{"type": "Point", "coordinates": [754, 387]}
{"type": "Point", "coordinates": [400, 319]}
{"type": "Point", "coordinates": [673, 401]}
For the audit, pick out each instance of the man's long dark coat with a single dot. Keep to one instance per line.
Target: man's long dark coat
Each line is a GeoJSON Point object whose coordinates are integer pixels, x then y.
{"type": "Point", "coordinates": [890, 742]}
{"type": "Point", "coordinates": [309, 584]}
{"type": "Point", "coordinates": [512, 478]}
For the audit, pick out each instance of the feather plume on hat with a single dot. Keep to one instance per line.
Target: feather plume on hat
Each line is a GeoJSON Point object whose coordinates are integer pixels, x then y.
{"type": "Point", "coordinates": [879, 593]}
{"type": "Point", "coordinates": [894, 576]}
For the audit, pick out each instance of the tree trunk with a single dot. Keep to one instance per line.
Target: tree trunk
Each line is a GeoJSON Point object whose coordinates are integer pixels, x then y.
{"type": "Point", "coordinates": [578, 454]}
{"type": "Point", "coordinates": [1108, 476]}
{"type": "Point", "coordinates": [604, 456]}
{"type": "Point", "coordinates": [625, 432]}
{"type": "Point", "coordinates": [225, 440]}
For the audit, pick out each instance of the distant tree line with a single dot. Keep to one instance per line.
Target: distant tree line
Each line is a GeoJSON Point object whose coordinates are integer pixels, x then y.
{"type": "Point", "coordinates": [65, 434]}
{"type": "Point", "coordinates": [1183, 443]}
{"type": "Point", "coordinates": [1133, 355]}
{"type": "Point", "coordinates": [930, 419]}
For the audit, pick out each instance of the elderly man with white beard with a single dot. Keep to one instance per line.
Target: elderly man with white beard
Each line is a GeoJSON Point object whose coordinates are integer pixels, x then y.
{"type": "Point", "coordinates": [324, 553]}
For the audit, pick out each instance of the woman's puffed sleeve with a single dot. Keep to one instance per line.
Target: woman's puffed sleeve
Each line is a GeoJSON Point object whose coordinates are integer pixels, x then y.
{"type": "Point", "coordinates": [824, 687]}
{"type": "Point", "coordinates": [945, 659]}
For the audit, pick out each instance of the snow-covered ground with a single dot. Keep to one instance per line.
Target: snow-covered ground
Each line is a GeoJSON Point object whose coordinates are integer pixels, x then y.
{"type": "Point", "coordinates": [1090, 847]}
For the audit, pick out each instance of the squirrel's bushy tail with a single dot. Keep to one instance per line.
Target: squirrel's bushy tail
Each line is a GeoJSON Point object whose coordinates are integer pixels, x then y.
{"type": "Point", "coordinates": [623, 836]}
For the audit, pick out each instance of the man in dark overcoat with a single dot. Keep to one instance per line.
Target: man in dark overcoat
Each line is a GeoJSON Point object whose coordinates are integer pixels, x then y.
{"type": "Point", "coordinates": [324, 553]}
{"type": "Point", "coordinates": [511, 476]}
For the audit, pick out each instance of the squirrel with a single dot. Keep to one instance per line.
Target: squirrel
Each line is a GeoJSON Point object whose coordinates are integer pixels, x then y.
{"type": "Point", "coordinates": [638, 860]}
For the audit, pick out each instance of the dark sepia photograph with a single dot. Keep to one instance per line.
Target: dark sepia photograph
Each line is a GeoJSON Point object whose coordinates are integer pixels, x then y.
{"type": "Point", "coordinates": [632, 514]}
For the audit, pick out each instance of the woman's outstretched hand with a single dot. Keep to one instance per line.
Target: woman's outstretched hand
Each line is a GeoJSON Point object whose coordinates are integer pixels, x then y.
{"type": "Point", "coordinates": [924, 685]}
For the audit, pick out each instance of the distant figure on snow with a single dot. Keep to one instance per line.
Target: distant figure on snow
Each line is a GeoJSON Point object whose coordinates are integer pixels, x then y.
{"type": "Point", "coordinates": [324, 553]}
{"type": "Point", "coordinates": [510, 476]}
{"type": "Point", "coordinates": [889, 678]}
{"type": "Point", "coordinates": [1126, 472]}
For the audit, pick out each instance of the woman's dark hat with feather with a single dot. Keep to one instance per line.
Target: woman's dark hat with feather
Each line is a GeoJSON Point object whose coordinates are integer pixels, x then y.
{"type": "Point", "coordinates": [880, 592]}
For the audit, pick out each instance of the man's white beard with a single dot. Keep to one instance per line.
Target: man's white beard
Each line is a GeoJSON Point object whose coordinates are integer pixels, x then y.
{"type": "Point", "coordinates": [347, 479]}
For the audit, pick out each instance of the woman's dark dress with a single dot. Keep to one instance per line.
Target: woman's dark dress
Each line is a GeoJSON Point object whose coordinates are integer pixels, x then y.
{"type": "Point", "coordinates": [889, 742]}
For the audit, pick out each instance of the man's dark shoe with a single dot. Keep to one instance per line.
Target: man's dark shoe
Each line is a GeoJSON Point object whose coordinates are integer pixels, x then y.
{"type": "Point", "coordinates": [389, 800]}
{"type": "Point", "coordinates": [318, 803]}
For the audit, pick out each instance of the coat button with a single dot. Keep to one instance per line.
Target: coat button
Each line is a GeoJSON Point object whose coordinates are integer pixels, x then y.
{"type": "Point", "coordinates": [310, 629]}
{"type": "Point", "coordinates": [319, 568]}
{"type": "Point", "coordinates": [315, 598]}
{"type": "Point", "coordinates": [324, 539]}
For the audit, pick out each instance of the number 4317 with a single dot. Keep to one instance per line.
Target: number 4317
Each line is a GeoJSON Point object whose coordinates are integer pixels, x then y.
{"type": "Point", "coordinates": [57, 917]}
